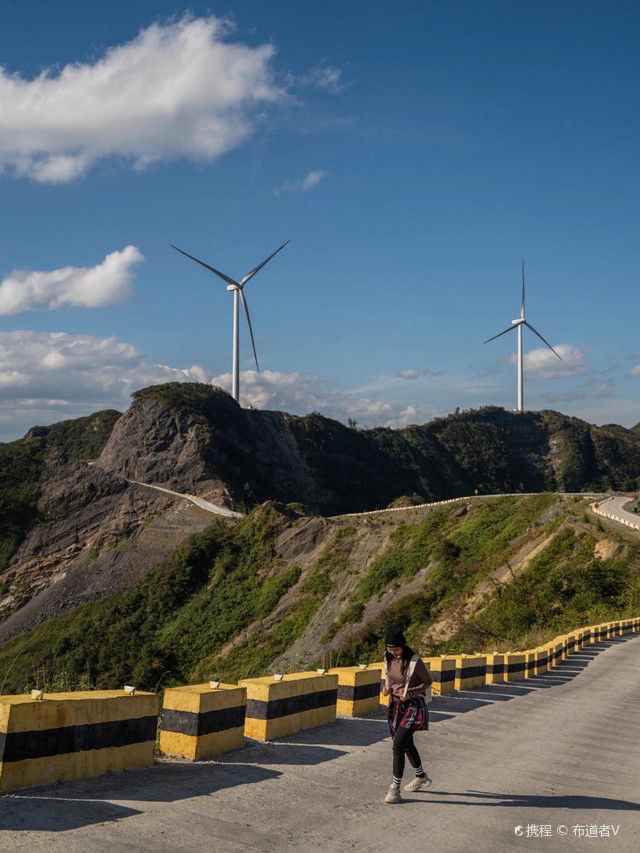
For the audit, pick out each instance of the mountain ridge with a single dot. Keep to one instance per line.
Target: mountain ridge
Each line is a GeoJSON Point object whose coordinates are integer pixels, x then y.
{"type": "Point", "coordinates": [71, 520]}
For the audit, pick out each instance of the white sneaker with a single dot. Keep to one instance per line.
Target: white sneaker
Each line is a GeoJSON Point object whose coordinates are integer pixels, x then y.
{"type": "Point", "coordinates": [418, 783]}
{"type": "Point", "coordinates": [394, 795]}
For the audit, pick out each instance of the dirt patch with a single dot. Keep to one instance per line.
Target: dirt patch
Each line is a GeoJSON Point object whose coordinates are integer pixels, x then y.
{"type": "Point", "coordinates": [607, 548]}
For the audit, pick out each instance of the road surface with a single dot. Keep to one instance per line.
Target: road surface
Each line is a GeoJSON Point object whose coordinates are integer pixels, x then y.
{"type": "Point", "coordinates": [615, 504]}
{"type": "Point", "coordinates": [201, 502]}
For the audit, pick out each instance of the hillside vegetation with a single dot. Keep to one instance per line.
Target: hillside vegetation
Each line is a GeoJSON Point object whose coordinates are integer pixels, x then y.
{"type": "Point", "coordinates": [280, 591]}
{"type": "Point", "coordinates": [72, 532]}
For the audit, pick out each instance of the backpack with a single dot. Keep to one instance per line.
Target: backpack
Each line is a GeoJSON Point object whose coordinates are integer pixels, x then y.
{"type": "Point", "coordinates": [410, 670]}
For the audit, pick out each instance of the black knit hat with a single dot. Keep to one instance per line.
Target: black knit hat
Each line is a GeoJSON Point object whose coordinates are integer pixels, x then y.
{"type": "Point", "coordinates": [393, 636]}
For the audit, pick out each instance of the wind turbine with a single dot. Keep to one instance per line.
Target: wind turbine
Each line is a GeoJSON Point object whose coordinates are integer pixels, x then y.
{"type": "Point", "coordinates": [237, 287]}
{"type": "Point", "coordinates": [518, 324]}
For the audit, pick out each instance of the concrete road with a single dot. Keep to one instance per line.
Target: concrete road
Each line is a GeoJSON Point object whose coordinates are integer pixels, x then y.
{"type": "Point", "coordinates": [557, 754]}
{"type": "Point", "coordinates": [201, 502]}
{"type": "Point", "coordinates": [615, 505]}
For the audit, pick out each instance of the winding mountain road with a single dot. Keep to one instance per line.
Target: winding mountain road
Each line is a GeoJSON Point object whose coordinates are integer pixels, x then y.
{"type": "Point", "coordinates": [548, 764]}
{"type": "Point", "coordinates": [614, 505]}
{"type": "Point", "coordinates": [201, 502]}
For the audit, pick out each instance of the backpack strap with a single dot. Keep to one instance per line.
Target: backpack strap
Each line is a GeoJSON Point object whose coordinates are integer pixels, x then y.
{"type": "Point", "coordinates": [410, 670]}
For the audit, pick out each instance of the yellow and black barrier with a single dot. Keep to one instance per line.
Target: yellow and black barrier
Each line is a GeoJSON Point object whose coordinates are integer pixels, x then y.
{"type": "Point", "coordinates": [358, 689]}
{"type": "Point", "coordinates": [73, 735]}
{"type": "Point", "coordinates": [200, 720]}
{"type": "Point", "coordinates": [529, 663]}
{"type": "Point", "coordinates": [382, 700]}
{"type": "Point", "coordinates": [298, 701]}
{"type": "Point", "coordinates": [515, 668]}
{"type": "Point", "coordinates": [470, 672]}
{"type": "Point", "coordinates": [495, 668]}
{"type": "Point", "coordinates": [443, 674]}
{"type": "Point", "coordinates": [555, 655]}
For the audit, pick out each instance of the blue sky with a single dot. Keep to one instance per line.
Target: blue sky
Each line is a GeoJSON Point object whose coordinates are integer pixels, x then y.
{"type": "Point", "coordinates": [413, 155]}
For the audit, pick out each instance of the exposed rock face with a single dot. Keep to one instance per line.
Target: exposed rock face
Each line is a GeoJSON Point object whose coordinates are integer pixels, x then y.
{"type": "Point", "coordinates": [100, 535]}
{"type": "Point", "coordinates": [153, 443]}
{"type": "Point", "coordinates": [204, 442]}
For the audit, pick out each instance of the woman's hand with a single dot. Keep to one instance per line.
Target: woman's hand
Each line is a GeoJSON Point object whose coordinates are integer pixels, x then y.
{"type": "Point", "coordinates": [385, 690]}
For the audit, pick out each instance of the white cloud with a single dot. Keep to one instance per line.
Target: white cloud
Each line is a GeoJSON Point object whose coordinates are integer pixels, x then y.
{"type": "Point", "coordinates": [177, 90]}
{"type": "Point", "coordinates": [311, 180]}
{"type": "Point", "coordinates": [87, 287]}
{"type": "Point", "coordinates": [541, 363]}
{"type": "Point", "coordinates": [300, 393]}
{"type": "Point", "coordinates": [82, 368]}
{"type": "Point", "coordinates": [48, 376]}
{"type": "Point", "coordinates": [326, 77]}
{"type": "Point", "coordinates": [590, 391]}
{"type": "Point", "coordinates": [635, 371]}
{"type": "Point", "coordinates": [414, 373]}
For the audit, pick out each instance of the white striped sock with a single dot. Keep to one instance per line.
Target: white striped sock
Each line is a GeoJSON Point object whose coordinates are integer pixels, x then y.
{"type": "Point", "coordinates": [396, 781]}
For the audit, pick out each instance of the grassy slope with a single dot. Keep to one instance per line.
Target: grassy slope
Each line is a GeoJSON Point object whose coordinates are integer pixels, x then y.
{"type": "Point", "coordinates": [170, 628]}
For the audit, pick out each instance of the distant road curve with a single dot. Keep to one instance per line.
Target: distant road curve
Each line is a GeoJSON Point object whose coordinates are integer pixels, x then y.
{"type": "Point", "coordinates": [612, 507]}
{"type": "Point", "coordinates": [596, 495]}
{"type": "Point", "coordinates": [207, 505]}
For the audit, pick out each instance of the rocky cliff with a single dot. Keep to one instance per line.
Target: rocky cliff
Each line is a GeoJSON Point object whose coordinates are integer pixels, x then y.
{"type": "Point", "coordinates": [193, 437]}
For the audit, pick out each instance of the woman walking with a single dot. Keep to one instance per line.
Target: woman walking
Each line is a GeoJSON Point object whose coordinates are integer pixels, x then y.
{"type": "Point", "coordinates": [407, 679]}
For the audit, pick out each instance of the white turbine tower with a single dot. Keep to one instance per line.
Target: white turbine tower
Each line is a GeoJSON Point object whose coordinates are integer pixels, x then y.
{"type": "Point", "coordinates": [518, 324]}
{"type": "Point", "coordinates": [237, 287]}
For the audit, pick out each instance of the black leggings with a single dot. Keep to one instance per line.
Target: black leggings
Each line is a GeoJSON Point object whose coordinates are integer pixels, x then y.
{"type": "Point", "coordinates": [403, 743]}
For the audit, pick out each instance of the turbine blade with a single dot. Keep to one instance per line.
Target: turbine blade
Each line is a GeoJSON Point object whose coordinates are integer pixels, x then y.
{"type": "Point", "coordinates": [529, 326]}
{"type": "Point", "coordinates": [253, 343]}
{"type": "Point", "coordinates": [202, 263]}
{"type": "Point", "coordinates": [259, 267]}
{"type": "Point", "coordinates": [522, 301]}
{"type": "Point", "coordinates": [500, 333]}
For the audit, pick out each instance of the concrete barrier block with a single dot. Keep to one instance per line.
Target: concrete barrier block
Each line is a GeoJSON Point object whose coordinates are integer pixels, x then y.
{"type": "Point", "coordinates": [358, 689]}
{"type": "Point", "coordinates": [541, 664]}
{"type": "Point", "coordinates": [495, 668]}
{"type": "Point", "coordinates": [470, 672]}
{"type": "Point", "coordinates": [529, 663]}
{"type": "Point", "coordinates": [603, 631]}
{"type": "Point", "coordinates": [299, 701]}
{"type": "Point", "coordinates": [382, 700]}
{"type": "Point", "coordinates": [73, 735]}
{"type": "Point", "coordinates": [515, 669]}
{"type": "Point", "coordinates": [199, 720]}
{"type": "Point", "coordinates": [572, 642]}
{"type": "Point", "coordinates": [556, 651]}
{"type": "Point", "coordinates": [443, 673]}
